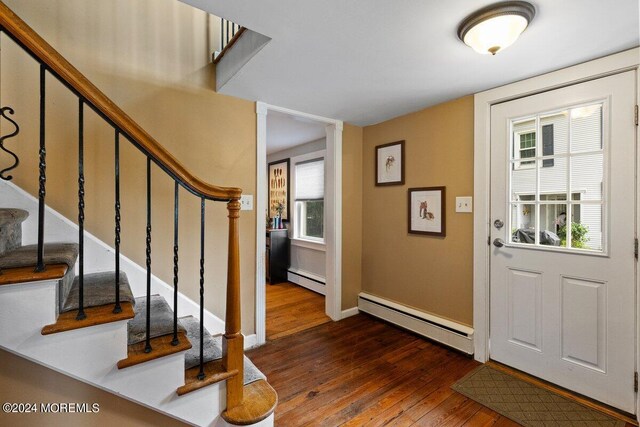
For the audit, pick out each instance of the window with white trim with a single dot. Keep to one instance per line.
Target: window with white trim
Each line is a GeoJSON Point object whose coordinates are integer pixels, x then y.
{"type": "Point", "coordinates": [526, 148]}
{"type": "Point", "coordinates": [309, 200]}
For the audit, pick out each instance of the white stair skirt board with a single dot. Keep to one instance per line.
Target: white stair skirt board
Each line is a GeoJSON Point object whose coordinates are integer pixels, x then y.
{"type": "Point", "coordinates": [307, 280]}
{"type": "Point", "coordinates": [90, 354]}
{"type": "Point", "coordinates": [436, 328]}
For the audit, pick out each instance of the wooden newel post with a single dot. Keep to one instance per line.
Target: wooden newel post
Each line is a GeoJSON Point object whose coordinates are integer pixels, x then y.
{"type": "Point", "coordinates": [233, 343]}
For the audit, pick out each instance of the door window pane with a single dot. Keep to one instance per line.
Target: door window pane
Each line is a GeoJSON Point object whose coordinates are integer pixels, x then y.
{"type": "Point", "coordinates": [555, 134]}
{"type": "Point", "coordinates": [523, 220]}
{"type": "Point", "coordinates": [553, 218]}
{"type": "Point", "coordinates": [587, 226]}
{"type": "Point", "coordinates": [587, 173]}
{"type": "Point", "coordinates": [553, 180]}
{"type": "Point", "coordinates": [586, 128]}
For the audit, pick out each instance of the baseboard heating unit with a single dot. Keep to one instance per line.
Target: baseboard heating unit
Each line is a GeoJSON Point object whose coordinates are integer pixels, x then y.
{"type": "Point", "coordinates": [307, 280]}
{"type": "Point", "coordinates": [444, 331]}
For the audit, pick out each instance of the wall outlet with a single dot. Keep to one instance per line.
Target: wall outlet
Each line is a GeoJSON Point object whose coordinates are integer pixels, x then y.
{"type": "Point", "coordinates": [464, 204]}
{"type": "Point", "coordinates": [246, 202]}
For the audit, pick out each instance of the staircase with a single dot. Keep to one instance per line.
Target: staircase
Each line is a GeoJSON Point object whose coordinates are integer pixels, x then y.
{"type": "Point", "coordinates": [60, 307]}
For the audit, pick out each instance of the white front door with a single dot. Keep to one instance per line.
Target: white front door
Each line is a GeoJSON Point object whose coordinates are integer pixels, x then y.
{"type": "Point", "coordinates": [562, 234]}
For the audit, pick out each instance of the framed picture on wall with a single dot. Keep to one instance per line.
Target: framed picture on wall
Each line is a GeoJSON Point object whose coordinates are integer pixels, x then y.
{"type": "Point", "coordinates": [390, 164]}
{"type": "Point", "coordinates": [427, 211]}
{"type": "Point", "coordinates": [279, 188]}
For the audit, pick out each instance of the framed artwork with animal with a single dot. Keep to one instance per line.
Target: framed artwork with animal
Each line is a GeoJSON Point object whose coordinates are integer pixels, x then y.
{"type": "Point", "coordinates": [390, 164]}
{"type": "Point", "coordinates": [427, 211]}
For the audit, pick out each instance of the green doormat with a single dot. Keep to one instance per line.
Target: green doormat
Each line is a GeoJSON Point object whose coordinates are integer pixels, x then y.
{"type": "Point", "coordinates": [527, 404]}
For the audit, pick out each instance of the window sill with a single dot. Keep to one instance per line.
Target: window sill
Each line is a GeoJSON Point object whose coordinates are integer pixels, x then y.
{"type": "Point", "coordinates": [309, 244]}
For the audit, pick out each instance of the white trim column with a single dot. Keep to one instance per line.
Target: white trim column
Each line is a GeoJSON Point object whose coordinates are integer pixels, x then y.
{"type": "Point", "coordinates": [333, 221]}
{"type": "Point", "coordinates": [261, 227]}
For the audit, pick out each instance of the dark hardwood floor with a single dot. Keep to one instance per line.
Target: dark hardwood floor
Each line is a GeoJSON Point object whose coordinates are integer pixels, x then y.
{"type": "Point", "coordinates": [364, 372]}
{"type": "Point", "coordinates": [291, 309]}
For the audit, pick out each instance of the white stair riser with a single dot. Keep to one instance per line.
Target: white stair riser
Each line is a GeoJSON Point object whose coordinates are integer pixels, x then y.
{"type": "Point", "coordinates": [24, 309]}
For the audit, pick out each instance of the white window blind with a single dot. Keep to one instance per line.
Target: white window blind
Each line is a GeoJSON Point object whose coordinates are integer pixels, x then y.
{"type": "Point", "coordinates": [310, 180]}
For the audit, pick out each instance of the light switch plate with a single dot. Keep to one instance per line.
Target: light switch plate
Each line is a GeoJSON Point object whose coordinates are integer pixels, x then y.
{"type": "Point", "coordinates": [246, 202]}
{"type": "Point", "coordinates": [464, 204]}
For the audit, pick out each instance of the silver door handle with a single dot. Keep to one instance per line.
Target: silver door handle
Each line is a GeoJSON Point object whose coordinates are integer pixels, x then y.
{"type": "Point", "coordinates": [498, 243]}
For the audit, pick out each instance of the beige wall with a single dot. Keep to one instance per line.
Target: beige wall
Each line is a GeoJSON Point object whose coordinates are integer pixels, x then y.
{"type": "Point", "coordinates": [151, 57]}
{"type": "Point", "coordinates": [23, 381]}
{"type": "Point", "coordinates": [352, 150]}
{"type": "Point", "coordinates": [428, 273]}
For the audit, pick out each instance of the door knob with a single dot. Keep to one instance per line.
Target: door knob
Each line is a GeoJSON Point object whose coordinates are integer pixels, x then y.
{"type": "Point", "coordinates": [498, 243]}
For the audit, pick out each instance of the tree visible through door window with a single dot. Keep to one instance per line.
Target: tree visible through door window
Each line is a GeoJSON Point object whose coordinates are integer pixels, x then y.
{"type": "Point", "coordinates": [557, 193]}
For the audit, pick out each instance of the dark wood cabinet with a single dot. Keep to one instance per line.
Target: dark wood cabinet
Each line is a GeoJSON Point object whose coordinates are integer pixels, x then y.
{"type": "Point", "coordinates": [277, 256]}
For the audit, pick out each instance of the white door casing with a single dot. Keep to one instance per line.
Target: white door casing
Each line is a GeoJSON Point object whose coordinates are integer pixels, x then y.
{"type": "Point", "coordinates": [568, 316]}
{"type": "Point", "coordinates": [333, 214]}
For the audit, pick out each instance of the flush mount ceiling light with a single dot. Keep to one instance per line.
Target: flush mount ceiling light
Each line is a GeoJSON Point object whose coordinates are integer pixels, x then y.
{"type": "Point", "coordinates": [496, 27]}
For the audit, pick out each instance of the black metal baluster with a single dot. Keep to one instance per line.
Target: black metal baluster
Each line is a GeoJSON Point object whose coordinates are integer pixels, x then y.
{"type": "Point", "coordinates": [221, 34]}
{"type": "Point", "coordinates": [117, 308]}
{"type": "Point", "coordinates": [42, 179]}
{"type": "Point", "coordinates": [227, 42]}
{"type": "Point", "coordinates": [81, 314]}
{"type": "Point", "coordinates": [147, 347]}
{"type": "Point", "coordinates": [201, 373]}
{"type": "Point", "coordinates": [175, 266]}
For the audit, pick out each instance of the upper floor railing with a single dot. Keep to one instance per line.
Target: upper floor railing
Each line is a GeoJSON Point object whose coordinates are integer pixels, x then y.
{"type": "Point", "coordinates": [230, 32]}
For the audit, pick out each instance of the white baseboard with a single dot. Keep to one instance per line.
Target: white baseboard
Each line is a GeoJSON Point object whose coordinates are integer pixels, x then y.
{"type": "Point", "coordinates": [444, 331]}
{"type": "Point", "coordinates": [250, 341]}
{"type": "Point", "coordinates": [307, 280]}
{"type": "Point", "coordinates": [350, 312]}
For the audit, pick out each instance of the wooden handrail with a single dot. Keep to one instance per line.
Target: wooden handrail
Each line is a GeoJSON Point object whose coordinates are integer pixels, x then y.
{"type": "Point", "coordinates": [24, 35]}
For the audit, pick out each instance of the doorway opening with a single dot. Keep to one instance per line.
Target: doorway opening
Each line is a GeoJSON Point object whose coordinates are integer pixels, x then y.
{"type": "Point", "coordinates": [298, 226]}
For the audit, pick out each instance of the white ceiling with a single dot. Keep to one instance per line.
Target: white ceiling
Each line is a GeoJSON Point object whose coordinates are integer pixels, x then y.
{"type": "Point", "coordinates": [365, 61]}
{"type": "Point", "coordinates": [286, 131]}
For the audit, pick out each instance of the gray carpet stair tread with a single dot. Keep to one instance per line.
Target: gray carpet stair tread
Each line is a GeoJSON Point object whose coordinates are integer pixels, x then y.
{"type": "Point", "coordinates": [12, 216]}
{"type": "Point", "coordinates": [161, 319]}
{"type": "Point", "coordinates": [54, 253]}
{"type": "Point", "coordinates": [251, 372]}
{"type": "Point", "coordinates": [99, 289]}
{"type": "Point", "coordinates": [212, 345]}
{"type": "Point", "coordinates": [212, 350]}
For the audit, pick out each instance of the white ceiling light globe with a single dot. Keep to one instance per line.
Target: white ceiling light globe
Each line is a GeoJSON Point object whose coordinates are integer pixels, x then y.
{"type": "Point", "coordinates": [496, 27]}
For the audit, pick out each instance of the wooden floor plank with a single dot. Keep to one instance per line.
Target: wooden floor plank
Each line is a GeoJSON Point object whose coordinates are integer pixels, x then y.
{"type": "Point", "coordinates": [364, 372]}
{"type": "Point", "coordinates": [485, 417]}
{"type": "Point", "coordinates": [292, 309]}
{"type": "Point", "coordinates": [360, 370]}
